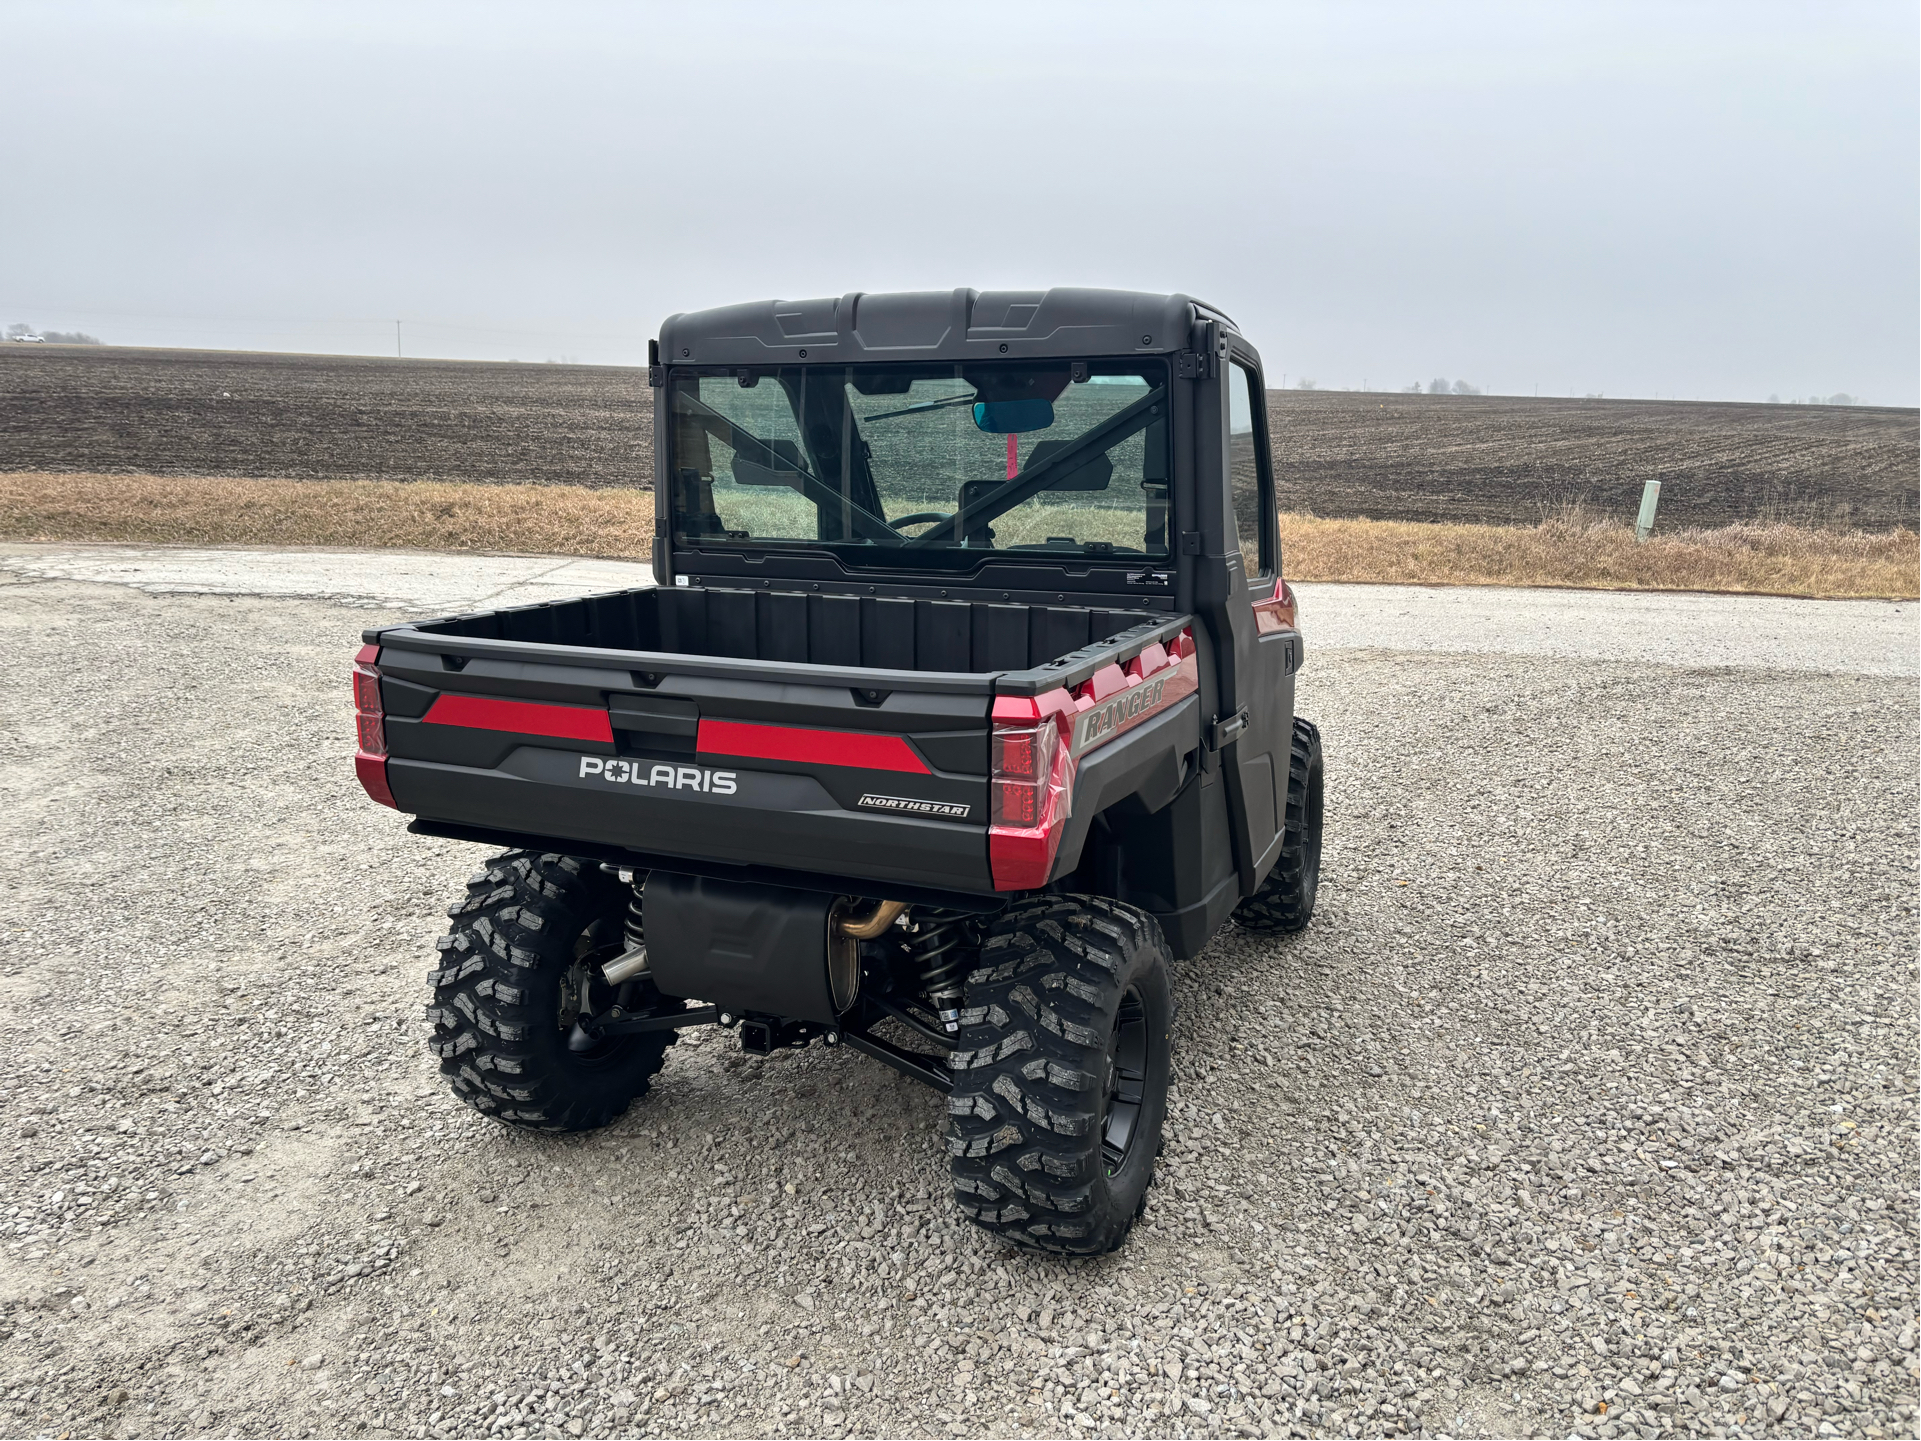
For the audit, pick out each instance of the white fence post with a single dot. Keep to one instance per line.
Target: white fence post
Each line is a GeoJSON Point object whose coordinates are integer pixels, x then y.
{"type": "Point", "coordinates": [1650, 498]}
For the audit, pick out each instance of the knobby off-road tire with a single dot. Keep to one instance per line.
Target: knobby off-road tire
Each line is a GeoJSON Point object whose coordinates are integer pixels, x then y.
{"type": "Point", "coordinates": [523, 959]}
{"type": "Point", "coordinates": [1060, 1074]}
{"type": "Point", "coordinates": [1285, 902]}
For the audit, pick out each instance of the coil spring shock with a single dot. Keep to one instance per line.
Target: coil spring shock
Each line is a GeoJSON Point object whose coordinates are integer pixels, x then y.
{"type": "Point", "coordinates": [631, 930]}
{"type": "Point", "coordinates": [939, 951]}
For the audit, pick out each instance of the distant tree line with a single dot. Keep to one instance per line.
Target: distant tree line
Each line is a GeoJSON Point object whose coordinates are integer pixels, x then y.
{"type": "Point", "coordinates": [1840, 397]}
{"type": "Point", "coordinates": [1441, 385]}
{"type": "Point", "coordinates": [18, 331]}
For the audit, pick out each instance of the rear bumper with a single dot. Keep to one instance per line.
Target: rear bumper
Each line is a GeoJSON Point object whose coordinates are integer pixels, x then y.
{"type": "Point", "coordinates": [767, 819]}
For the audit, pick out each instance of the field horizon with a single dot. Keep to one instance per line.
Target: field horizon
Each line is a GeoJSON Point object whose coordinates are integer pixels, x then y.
{"type": "Point", "coordinates": [1317, 389]}
{"type": "Point", "coordinates": [1376, 455]}
{"type": "Point", "coordinates": [1572, 550]}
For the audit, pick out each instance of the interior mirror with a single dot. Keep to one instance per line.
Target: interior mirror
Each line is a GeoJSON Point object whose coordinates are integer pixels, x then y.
{"type": "Point", "coordinates": [1013, 417]}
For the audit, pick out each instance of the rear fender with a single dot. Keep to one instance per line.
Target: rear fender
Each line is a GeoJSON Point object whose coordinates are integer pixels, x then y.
{"type": "Point", "coordinates": [1152, 761]}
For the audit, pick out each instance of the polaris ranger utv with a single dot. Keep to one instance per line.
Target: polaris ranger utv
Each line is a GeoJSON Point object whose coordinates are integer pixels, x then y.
{"type": "Point", "coordinates": [963, 705]}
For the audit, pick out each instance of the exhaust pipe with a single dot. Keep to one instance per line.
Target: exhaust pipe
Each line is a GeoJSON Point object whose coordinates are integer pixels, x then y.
{"type": "Point", "coordinates": [626, 966]}
{"type": "Point", "coordinates": [844, 935]}
{"type": "Point", "coordinates": [882, 917]}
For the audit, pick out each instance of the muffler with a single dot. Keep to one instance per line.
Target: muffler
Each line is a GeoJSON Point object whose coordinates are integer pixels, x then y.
{"type": "Point", "coordinates": [765, 950]}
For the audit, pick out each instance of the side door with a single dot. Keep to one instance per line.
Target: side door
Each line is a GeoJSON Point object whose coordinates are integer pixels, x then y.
{"type": "Point", "coordinates": [1265, 654]}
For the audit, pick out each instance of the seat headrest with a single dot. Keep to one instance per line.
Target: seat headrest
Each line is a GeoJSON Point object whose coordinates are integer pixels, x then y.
{"type": "Point", "coordinates": [1093, 473]}
{"type": "Point", "coordinates": [787, 472]}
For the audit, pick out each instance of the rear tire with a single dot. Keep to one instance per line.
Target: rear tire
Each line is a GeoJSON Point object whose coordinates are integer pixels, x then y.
{"type": "Point", "coordinates": [1285, 902]}
{"type": "Point", "coordinates": [521, 964]}
{"type": "Point", "coordinates": [1060, 1074]}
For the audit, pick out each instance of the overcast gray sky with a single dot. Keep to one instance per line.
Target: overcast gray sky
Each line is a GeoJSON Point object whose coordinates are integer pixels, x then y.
{"type": "Point", "coordinates": [1698, 200]}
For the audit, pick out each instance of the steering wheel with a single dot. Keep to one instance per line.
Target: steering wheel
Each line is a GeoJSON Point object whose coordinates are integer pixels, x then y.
{"type": "Point", "coordinates": [921, 517]}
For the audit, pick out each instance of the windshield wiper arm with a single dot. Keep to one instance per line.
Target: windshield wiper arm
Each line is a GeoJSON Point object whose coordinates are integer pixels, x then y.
{"type": "Point", "coordinates": [1109, 433]}
{"type": "Point", "coordinates": [924, 405]}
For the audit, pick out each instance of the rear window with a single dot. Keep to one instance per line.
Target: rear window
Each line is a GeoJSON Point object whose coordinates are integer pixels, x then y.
{"type": "Point", "coordinates": [924, 465]}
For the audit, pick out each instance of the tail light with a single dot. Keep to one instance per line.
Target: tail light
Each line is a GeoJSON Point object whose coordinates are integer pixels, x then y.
{"type": "Point", "coordinates": [1031, 788]}
{"type": "Point", "coordinates": [370, 721]}
{"type": "Point", "coordinates": [1024, 757]}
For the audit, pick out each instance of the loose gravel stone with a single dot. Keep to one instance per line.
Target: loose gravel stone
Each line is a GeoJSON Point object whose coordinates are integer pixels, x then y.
{"type": "Point", "coordinates": [1586, 1106]}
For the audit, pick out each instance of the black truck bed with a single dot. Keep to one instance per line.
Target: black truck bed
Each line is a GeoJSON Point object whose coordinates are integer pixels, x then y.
{"type": "Point", "coordinates": [776, 730]}
{"type": "Point", "coordinates": [845, 631]}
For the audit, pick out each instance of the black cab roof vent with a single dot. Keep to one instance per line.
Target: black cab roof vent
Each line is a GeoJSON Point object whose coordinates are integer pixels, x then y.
{"type": "Point", "coordinates": [933, 325]}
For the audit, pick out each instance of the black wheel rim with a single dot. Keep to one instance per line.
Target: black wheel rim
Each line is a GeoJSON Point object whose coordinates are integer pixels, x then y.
{"type": "Point", "coordinates": [1126, 1088]}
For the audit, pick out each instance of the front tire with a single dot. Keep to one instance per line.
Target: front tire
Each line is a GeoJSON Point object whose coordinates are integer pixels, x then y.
{"type": "Point", "coordinates": [1060, 1078]}
{"type": "Point", "coordinates": [521, 965]}
{"type": "Point", "coordinates": [1285, 902]}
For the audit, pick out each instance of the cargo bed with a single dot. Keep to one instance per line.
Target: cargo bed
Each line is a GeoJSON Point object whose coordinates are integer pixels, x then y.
{"type": "Point", "coordinates": [731, 730]}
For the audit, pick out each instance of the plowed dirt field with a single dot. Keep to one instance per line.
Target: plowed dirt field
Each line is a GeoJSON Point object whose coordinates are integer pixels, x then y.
{"type": "Point", "coordinates": [1339, 453]}
{"type": "Point", "coordinates": [1502, 460]}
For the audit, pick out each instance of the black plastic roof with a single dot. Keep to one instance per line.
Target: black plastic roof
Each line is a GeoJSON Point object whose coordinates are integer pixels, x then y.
{"type": "Point", "coordinates": [934, 325]}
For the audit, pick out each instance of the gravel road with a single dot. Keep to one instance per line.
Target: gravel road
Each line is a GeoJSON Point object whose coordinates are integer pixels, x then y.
{"type": "Point", "coordinates": [1586, 1106]}
{"type": "Point", "coordinates": [1862, 637]}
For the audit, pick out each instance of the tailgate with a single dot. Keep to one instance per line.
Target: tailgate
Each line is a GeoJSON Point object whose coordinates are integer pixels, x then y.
{"type": "Point", "coordinates": [736, 761]}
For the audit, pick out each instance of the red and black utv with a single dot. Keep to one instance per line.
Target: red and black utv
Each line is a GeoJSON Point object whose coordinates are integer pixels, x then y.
{"type": "Point", "coordinates": [963, 704]}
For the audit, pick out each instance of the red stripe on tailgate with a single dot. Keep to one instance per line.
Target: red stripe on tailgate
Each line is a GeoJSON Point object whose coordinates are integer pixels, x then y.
{"type": "Point", "coordinates": [860, 749]}
{"type": "Point", "coordinates": [526, 717]}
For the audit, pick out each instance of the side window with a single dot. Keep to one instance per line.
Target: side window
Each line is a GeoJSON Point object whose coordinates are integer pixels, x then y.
{"type": "Point", "coordinates": [1251, 487]}
{"type": "Point", "coordinates": [757, 491]}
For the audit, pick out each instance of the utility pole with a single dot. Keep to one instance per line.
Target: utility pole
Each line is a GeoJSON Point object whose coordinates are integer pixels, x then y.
{"type": "Point", "coordinates": [397, 351]}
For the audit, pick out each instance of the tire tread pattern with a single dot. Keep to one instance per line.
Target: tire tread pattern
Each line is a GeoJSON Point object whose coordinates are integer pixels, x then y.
{"type": "Point", "coordinates": [494, 1023]}
{"type": "Point", "coordinates": [1025, 1111]}
{"type": "Point", "coordinates": [1284, 904]}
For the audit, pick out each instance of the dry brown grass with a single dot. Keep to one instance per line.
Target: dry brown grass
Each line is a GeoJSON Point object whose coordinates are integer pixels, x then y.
{"type": "Point", "coordinates": [1762, 559]}
{"type": "Point", "coordinates": [573, 520]}
{"type": "Point", "coordinates": [399, 515]}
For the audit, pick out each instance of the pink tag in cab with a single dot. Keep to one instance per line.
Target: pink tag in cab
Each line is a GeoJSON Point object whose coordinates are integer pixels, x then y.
{"type": "Point", "coordinates": [1013, 456]}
